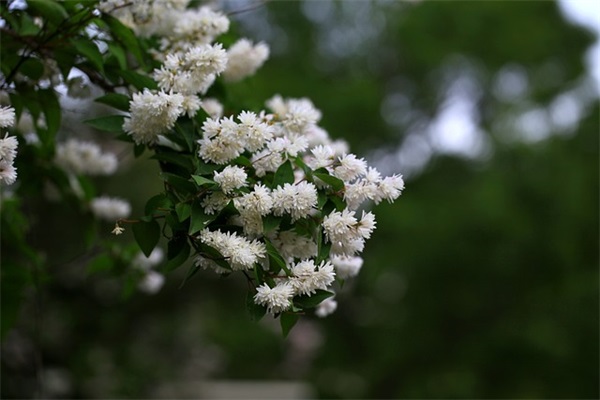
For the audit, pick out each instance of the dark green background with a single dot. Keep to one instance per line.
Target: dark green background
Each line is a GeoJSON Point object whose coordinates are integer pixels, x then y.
{"type": "Point", "coordinates": [481, 281]}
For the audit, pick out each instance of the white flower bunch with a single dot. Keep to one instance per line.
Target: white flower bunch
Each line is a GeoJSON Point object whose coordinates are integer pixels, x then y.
{"type": "Point", "coordinates": [8, 148]}
{"type": "Point", "coordinates": [110, 208]}
{"type": "Point", "coordinates": [244, 59]}
{"type": "Point", "coordinates": [151, 281]}
{"type": "Point", "coordinates": [85, 158]}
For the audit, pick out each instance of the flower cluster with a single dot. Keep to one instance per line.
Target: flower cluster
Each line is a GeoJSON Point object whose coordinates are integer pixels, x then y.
{"type": "Point", "coordinates": [266, 192]}
{"type": "Point", "coordinates": [85, 158]}
{"type": "Point", "coordinates": [8, 148]}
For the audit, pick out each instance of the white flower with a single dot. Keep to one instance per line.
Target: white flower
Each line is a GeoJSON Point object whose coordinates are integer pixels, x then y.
{"type": "Point", "coordinates": [255, 132]}
{"type": "Point", "coordinates": [118, 230]}
{"type": "Point", "coordinates": [191, 104]}
{"type": "Point", "coordinates": [7, 116]}
{"type": "Point", "coordinates": [322, 156]}
{"type": "Point", "coordinates": [214, 203]}
{"type": "Point", "coordinates": [326, 307]}
{"type": "Point", "coordinates": [277, 299]}
{"type": "Point", "coordinates": [338, 225]}
{"type": "Point", "coordinates": [85, 158]}
{"type": "Point", "coordinates": [8, 173]}
{"type": "Point", "coordinates": [258, 201]}
{"type": "Point", "coordinates": [8, 148]}
{"type": "Point", "coordinates": [296, 115]}
{"type": "Point", "coordinates": [291, 245]}
{"type": "Point", "coordinates": [240, 252]}
{"type": "Point", "coordinates": [152, 282]}
{"type": "Point", "coordinates": [296, 200]}
{"type": "Point", "coordinates": [146, 263]}
{"type": "Point", "coordinates": [308, 277]}
{"type": "Point", "coordinates": [231, 178]}
{"type": "Point", "coordinates": [350, 168]}
{"type": "Point", "coordinates": [244, 59]}
{"type": "Point", "coordinates": [346, 267]}
{"type": "Point", "coordinates": [152, 114]}
{"type": "Point", "coordinates": [390, 188]}
{"type": "Point", "coordinates": [212, 107]}
{"type": "Point", "coordinates": [110, 208]}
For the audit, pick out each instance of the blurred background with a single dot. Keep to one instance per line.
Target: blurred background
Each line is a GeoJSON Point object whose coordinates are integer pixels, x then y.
{"type": "Point", "coordinates": [480, 282]}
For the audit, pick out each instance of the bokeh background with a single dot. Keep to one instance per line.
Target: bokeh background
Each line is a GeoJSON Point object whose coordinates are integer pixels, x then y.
{"type": "Point", "coordinates": [481, 281]}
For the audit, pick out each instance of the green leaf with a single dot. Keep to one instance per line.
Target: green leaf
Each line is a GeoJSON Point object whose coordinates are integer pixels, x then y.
{"type": "Point", "coordinates": [199, 218]}
{"type": "Point", "coordinates": [110, 123]}
{"type": "Point", "coordinates": [336, 183]}
{"type": "Point", "coordinates": [155, 202]}
{"type": "Point", "coordinates": [139, 81]}
{"type": "Point", "coordinates": [270, 223]}
{"type": "Point", "coordinates": [27, 26]}
{"type": "Point", "coordinates": [180, 184]}
{"type": "Point", "coordinates": [184, 211]}
{"type": "Point", "coordinates": [323, 248]}
{"type": "Point", "coordinates": [115, 100]}
{"type": "Point", "coordinates": [32, 68]}
{"type": "Point", "coordinates": [52, 112]}
{"type": "Point", "coordinates": [276, 258]}
{"type": "Point", "coordinates": [200, 180]}
{"type": "Point", "coordinates": [306, 301]}
{"type": "Point", "coordinates": [193, 270]}
{"type": "Point", "coordinates": [205, 169]}
{"type": "Point", "coordinates": [49, 10]}
{"type": "Point", "coordinates": [125, 35]}
{"type": "Point", "coordinates": [340, 204]}
{"type": "Point", "coordinates": [146, 235]}
{"type": "Point", "coordinates": [119, 54]}
{"type": "Point", "coordinates": [89, 50]}
{"type": "Point", "coordinates": [256, 311]}
{"type": "Point", "coordinates": [183, 160]}
{"type": "Point", "coordinates": [284, 174]}
{"type": "Point", "coordinates": [178, 251]}
{"type": "Point", "coordinates": [288, 320]}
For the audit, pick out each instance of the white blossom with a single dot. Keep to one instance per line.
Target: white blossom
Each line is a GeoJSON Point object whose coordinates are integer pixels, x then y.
{"type": "Point", "coordinates": [291, 245]}
{"type": "Point", "coordinates": [110, 208]}
{"type": "Point", "coordinates": [326, 307]}
{"type": "Point", "coordinates": [86, 158]}
{"type": "Point", "coordinates": [140, 261]}
{"type": "Point", "coordinates": [244, 59]}
{"type": "Point", "coordinates": [307, 277]}
{"type": "Point", "coordinates": [240, 253]}
{"type": "Point", "coordinates": [212, 107]}
{"type": "Point", "coordinates": [152, 114]}
{"type": "Point", "coordinates": [350, 168]}
{"type": "Point", "coordinates": [277, 299]}
{"type": "Point", "coordinates": [8, 173]}
{"type": "Point", "coordinates": [8, 148]}
{"type": "Point", "coordinates": [347, 267]}
{"type": "Point", "coordinates": [214, 202]}
{"type": "Point", "coordinates": [7, 116]}
{"type": "Point", "coordinates": [152, 282]}
{"type": "Point", "coordinates": [296, 200]}
{"type": "Point", "coordinates": [231, 178]}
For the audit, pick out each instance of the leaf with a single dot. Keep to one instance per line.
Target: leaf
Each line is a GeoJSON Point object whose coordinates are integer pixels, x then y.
{"type": "Point", "coordinates": [115, 100]}
{"type": "Point", "coordinates": [174, 158]}
{"type": "Point", "coordinates": [336, 183]}
{"type": "Point", "coordinates": [146, 235]}
{"type": "Point", "coordinates": [270, 223]}
{"type": "Point", "coordinates": [340, 204]}
{"type": "Point", "coordinates": [306, 301]}
{"type": "Point", "coordinates": [178, 251]}
{"type": "Point", "coordinates": [288, 320]}
{"type": "Point", "coordinates": [199, 219]}
{"type": "Point", "coordinates": [323, 248]}
{"type": "Point", "coordinates": [119, 54]}
{"type": "Point", "coordinates": [276, 258]}
{"type": "Point", "coordinates": [125, 35]}
{"type": "Point", "coordinates": [156, 202]}
{"type": "Point", "coordinates": [200, 180]}
{"type": "Point", "coordinates": [49, 10]}
{"type": "Point", "coordinates": [193, 270]}
{"type": "Point", "coordinates": [32, 68]}
{"type": "Point", "coordinates": [139, 81]}
{"type": "Point", "coordinates": [110, 123]}
{"type": "Point", "coordinates": [182, 185]}
{"type": "Point", "coordinates": [283, 175]}
{"type": "Point", "coordinates": [184, 211]}
{"type": "Point", "coordinates": [52, 112]}
{"type": "Point", "coordinates": [89, 50]}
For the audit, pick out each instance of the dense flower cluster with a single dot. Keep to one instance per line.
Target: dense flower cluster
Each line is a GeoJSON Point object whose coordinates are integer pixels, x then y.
{"type": "Point", "coordinates": [8, 148]}
{"type": "Point", "coordinates": [293, 175]}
